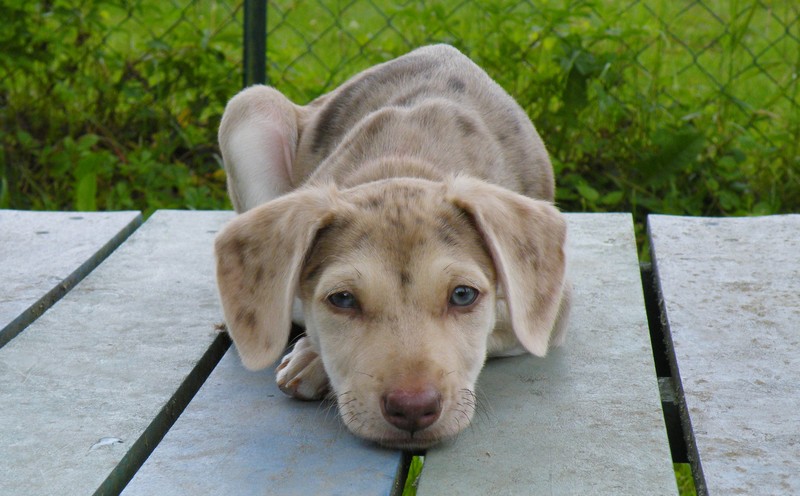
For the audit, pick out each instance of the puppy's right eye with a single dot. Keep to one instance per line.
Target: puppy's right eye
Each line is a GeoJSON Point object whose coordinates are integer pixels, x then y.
{"type": "Point", "coordinates": [343, 299]}
{"type": "Point", "coordinates": [463, 296]}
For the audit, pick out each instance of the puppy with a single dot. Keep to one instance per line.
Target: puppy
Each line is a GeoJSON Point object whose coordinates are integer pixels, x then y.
{"type": "Point", "coordinates": [409, 213]}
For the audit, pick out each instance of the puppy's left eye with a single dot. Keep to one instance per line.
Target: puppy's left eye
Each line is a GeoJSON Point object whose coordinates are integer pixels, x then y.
{"type": "Point", "coordinates": [463, 296]}
{"type": "Point", "coordinates": [343, 299]}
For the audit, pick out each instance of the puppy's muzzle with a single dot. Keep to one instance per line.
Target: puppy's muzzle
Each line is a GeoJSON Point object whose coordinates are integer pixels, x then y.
{"type": "Point", "coordinates": [412, 410]}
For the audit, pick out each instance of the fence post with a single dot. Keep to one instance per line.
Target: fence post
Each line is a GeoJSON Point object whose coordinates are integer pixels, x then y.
{"type": "Point", "coordinates": [255, 42]}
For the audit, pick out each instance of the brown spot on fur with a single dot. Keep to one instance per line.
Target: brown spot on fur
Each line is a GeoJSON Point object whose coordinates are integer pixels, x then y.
{"type": "Point", "coordinates": [456, 84]}
{"type": "Point", "coordinates": [362, 239]}
{"type": "Point", "coordinates": [406, 193]}
{"type": "Point", "coordinates": [447, 234]}
{"type": "Point", "coordinates": [225, 269]}
{"type": "Point", "coordinates": [326, 126]}
{"type": "Point", "coordinates": [371, 203]}
{"type": "Point", "coordinates": [408, 99]}
{"type": "Point", "coordinates": [246, 318]}
{"type": "Point", "coordinates": [340, 224]}
{"type": "Point", "coordinates": [445, 228]}
{"type": "Point", "coordinates": [258, 277]}
{"type": "Point", "coordinates": [405, 278]}
{"type": "Point", "coordinates": [375, 125]}
{"type": "Point", "coordinates": [312, 272]}
{"type": "Point", "coordinates": [527, 252]}
{"type": "Point", "coordinates": [466, 126]}
{"type": "Point", "coordinates": [239, 248]}
{"type": "Point", "coordinates": [354, 99]}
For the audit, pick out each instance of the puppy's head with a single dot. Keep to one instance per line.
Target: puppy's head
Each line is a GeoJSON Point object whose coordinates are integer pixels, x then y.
{"type": "Point", "coordinates": [399, 281]}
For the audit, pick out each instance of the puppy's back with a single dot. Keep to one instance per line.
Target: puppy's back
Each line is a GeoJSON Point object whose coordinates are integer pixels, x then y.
{"type": "Point", "coordinates": [432, 72]}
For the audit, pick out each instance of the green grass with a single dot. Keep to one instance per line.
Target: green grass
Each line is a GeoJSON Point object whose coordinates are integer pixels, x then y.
{"type": "Point", "coordinates": [414, 473]}
{"type": "Point", "coordinates": [683, 476]}
{"type": "Point", "coordinates": [645, 106]}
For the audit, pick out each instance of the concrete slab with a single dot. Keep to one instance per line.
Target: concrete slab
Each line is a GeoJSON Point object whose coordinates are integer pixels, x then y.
{"type": "Point", "coordinates": [241, 435]}
{"type": "Point", "coordinates": [86, 386]}
{"type": "Point", "coordinates": [587, 418]}
{"type": "Point", "coordinates": [731, 294]}
{"type": "Point", "coordinates": [44, 254]}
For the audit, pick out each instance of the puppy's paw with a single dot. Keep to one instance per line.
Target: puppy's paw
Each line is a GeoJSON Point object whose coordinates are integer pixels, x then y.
{"type": "Point", "coordinates": [301, 374]}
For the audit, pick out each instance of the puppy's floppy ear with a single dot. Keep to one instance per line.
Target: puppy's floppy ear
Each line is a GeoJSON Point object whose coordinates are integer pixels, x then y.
{"type": "Point", "coordinates": [259, 257]}
{"type": "Point", "coordinates": [526, 239]}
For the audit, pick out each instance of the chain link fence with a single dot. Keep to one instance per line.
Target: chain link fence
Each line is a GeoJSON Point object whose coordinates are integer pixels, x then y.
{"type": "Point", "coordinates": [715, 50]}
{"type": "Point", "coordinates": [653, 94]}
{"type": "Point", "coordinates": [646, 105]}
{"type": "Point", "coordinates": [115, 104]}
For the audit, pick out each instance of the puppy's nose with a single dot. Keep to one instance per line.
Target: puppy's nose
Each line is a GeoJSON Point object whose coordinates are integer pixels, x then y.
{"type": "Point", "coordinates": [412, 410]}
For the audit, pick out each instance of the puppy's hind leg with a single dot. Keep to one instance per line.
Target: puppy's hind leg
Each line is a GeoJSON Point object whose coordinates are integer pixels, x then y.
{"type": "Point", "coordinates": [258, 138]}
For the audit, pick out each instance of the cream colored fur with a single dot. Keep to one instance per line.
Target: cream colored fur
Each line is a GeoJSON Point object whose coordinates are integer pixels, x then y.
{"type": "Point", "coordinates": [376, 205]}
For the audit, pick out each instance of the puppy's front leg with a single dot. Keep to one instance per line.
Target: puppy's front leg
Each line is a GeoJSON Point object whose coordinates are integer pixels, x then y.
{"type": "Point", "coordinates": [301, 374]}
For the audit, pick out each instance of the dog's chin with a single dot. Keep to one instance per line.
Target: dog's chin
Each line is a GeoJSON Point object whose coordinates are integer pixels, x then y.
{"type": "Point", "coordinates": [389, 437]}
{"type": "Point", "coordinates": [405, 441]}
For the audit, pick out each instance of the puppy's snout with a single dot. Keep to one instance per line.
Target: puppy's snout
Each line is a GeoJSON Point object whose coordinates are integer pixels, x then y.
{"type": "Point", "coordinates": [412, 410]}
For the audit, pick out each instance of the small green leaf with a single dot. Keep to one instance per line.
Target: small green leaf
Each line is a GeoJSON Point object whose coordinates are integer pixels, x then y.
{"type": "Point", "coordinates": [587, 192]}
{"type": "Point", "coordinates": [729, 201]}
{"type": "Point", "coordinates": [86, 193]}
{"type": "Point", "coordinates": [613, 198]}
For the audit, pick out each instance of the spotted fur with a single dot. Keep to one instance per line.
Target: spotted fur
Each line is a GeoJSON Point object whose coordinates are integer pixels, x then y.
{"type": "Point", "coordinates": [371, 205]}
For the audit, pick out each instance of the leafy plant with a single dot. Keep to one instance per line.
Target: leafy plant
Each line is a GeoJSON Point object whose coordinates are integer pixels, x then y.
{"type": "Point", "coordinates": [645, 106]}
{"type": "Point", "coordinates": [97, 116]}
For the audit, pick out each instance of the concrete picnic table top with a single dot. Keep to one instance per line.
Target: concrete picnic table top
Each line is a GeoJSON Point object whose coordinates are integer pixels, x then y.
{"type": "Point", "coordinates": [118, 385]}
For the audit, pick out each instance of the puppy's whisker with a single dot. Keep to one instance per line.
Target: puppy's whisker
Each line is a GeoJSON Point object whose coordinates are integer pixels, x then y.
{"type": "Point", "coordinates": [342, 396]}
{"type": "Point", "coordinates": [475, 404]}
{"type": "Point", "coordinates": [331, 408]}
{"type": "Point", "coordinates": [483, 405]}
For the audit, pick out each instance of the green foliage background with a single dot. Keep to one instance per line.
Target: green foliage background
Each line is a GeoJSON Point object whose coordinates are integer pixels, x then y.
{"type": "Point", "coordinates": [646, 106]}
{"type": "Point", "coordinates": [113, 106]}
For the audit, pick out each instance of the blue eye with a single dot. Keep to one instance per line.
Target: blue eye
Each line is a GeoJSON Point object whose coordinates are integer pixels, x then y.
{"type": "Point", "coordinates": [343, 299]}
{"type": "Point", "coordinates": [463, 296]}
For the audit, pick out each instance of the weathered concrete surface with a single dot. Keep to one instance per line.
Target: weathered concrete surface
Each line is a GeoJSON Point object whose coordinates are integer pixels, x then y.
{"type": "Point", "coordinates": [106, 359]}
{"type": "Point", "coordinates": [241, 435]}
{"type": "Point", "coordinates": [44, 254]}
{"type": "Point", "coordinates": [587, 418]}
{"type": "Point", "coordinates": [731, 292]}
